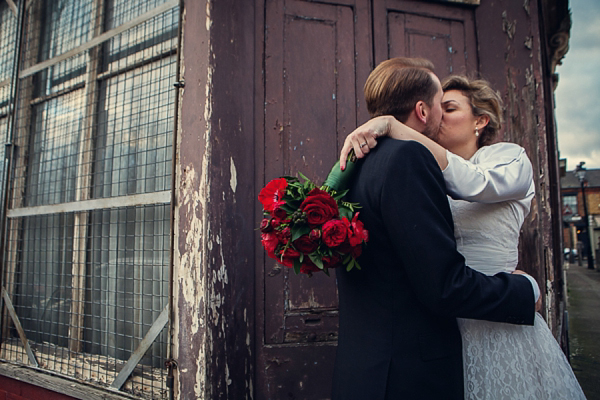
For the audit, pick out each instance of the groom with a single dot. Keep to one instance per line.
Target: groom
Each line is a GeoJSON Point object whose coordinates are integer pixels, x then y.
{"type": "Point", "coordinates": [398, 335]}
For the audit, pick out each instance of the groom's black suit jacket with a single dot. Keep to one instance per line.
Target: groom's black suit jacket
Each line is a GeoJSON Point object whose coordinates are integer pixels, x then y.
{"type": "Point", "coordinates": [398, 335]}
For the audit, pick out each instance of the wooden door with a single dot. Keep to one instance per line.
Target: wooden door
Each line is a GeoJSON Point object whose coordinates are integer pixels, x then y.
{"type": "Point", "coordinates": [315, 58]}
{"type": "Point", "coordinates": [444, 34]}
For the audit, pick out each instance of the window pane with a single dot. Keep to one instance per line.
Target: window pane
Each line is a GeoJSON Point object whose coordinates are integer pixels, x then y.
{"type": "Point", "coordinates": [570, 205]}
{"type": "Point", "coordinates": [43, 294]}
{"type": "Point", "coordinates": [54, 147]}
{"type": "Point", "coordinates": [8, 29]}
{"type": "Point", "coordinates": [68, 26]}
{"type": "Point", "coordinates": [135, 125]}
{"type": "Point", "coordinates": [127, 284]}
{"type": "Point", "coordinates": [145, 41]}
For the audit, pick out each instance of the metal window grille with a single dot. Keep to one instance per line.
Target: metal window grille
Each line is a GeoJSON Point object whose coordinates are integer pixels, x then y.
{"type": "Point", "coordinates": [8, 31]}
{"type": "Point", "coordinates": [87, 237]}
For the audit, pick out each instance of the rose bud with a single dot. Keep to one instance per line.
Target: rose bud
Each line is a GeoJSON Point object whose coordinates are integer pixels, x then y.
{"type": "Point", "coordinates": [285, 234]}
{"type": "Point", "coordinates": [266, 226]}
{"type": "Point", "coordinates": [315, 234]}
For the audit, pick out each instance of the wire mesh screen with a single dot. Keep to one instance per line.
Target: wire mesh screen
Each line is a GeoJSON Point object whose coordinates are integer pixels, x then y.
{"type": "Point", "coordinates": [88, 278]}
{"type": "Point", "coordinates": [53, 146]}
{"type": "Point", "coordinates": [8, 31]}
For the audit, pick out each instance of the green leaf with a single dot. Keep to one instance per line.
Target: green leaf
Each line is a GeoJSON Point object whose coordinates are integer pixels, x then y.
{"type": "Point", "coordinates": [297, 265]}
{"type": "Point", "coordinates": [350, 265]}
{"type": "Point", "coordinates": [344, 212]}
{"type": "Point", "coordinates": [299, 231]}
{"type": "Point", "coordinates": [316, 259]}
{"type": "Point", "coordinates": [288, 208]}
{"type": "Point", "coordinates": [339, 195]}
{"type": "Point", "coordinates": [339, 180]}
{"type": "Point", "coordinates": [290, 179]}
{"type": "Point", "coordinates": [303, 176]}
{"type": "Point", "coordinates": [357, 264]}
{"type": "Point", "coordinates": [326, 271]}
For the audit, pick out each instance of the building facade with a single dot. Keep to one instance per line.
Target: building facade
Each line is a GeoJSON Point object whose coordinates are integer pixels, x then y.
{"type": "Point", "coordinates": [575, 229]}
{"type": "Point", "coordinates": [136, 137]}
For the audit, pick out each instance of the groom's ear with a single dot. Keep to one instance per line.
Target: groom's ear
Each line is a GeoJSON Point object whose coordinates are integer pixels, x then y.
{"type": "Point", "coordinates": [422, 111]}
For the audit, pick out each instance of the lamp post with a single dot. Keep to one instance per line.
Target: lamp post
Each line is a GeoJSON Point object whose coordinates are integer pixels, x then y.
{"type": "Point", "coordinates": [580, 171]}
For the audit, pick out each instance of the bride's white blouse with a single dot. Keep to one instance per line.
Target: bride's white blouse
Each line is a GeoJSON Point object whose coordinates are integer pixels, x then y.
{"type": "Point", "coordinates": [498, 184]}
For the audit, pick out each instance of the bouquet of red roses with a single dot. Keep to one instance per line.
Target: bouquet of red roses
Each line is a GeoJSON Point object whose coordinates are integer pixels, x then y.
{"type": "Point", "coordinates": [311, 228]}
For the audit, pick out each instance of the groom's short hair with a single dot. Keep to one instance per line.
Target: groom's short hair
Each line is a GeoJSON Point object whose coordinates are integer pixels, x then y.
{"type": "Point", "coordinates": [396, 85]}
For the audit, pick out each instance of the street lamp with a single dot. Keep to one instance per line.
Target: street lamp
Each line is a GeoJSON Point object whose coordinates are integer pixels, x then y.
{"type": "Point", "coordinates": [580, 173]}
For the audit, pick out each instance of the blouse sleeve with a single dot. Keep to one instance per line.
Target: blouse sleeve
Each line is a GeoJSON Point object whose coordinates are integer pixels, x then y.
{"type": "Point", "coordinates": [496, 173]}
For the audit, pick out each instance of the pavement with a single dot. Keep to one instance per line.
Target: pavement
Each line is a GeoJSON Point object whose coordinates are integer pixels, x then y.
{"type": "Point", "coordinates": [583, 305]}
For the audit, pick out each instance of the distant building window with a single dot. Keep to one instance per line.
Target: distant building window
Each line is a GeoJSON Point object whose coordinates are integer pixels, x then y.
{"type": "Point", "coordinates": [570, 205]}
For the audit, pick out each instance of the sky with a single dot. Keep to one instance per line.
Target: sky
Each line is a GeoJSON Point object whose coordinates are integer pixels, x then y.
{"type": "Point", "coordinates": [578, 92]}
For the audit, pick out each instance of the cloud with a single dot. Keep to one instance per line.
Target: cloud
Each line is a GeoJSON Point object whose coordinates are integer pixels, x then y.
{"type": "Point", "coordinates": [577, 94]}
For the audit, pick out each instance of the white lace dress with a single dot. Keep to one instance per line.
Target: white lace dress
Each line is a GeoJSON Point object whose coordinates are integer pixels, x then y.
{"type": "Point", "coordinates": [502, 361]}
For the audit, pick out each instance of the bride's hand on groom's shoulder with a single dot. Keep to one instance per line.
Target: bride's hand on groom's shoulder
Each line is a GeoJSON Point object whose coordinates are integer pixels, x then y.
{"type": "Point", "coordinates": [364, 138]}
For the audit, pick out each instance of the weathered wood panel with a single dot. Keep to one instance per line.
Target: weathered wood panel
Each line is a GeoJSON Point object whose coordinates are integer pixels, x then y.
{"type": "Point", "coordinates": [316, 59]}
{"type": "Point", "coordinates": [511, 54]}
{"type": "Point", "coordinates": [441, 33]}
{"type": "Point", "coordinates": [214, 214]}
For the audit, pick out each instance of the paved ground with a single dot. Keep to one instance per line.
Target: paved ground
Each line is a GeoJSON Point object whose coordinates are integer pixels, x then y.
{"type": "Point", "coordinates": [583, 288]}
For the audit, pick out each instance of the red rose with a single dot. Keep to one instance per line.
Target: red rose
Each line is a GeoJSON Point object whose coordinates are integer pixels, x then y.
{"type": "Point", "coordinates": [288, 256]}
{"type": "Point", "coordinates": [305, 244]}
{"type": "Point", "coordinates": [284, 235]}
{"type": "Point", "coordinates": [334, 232]}
{"type": "Point", "coordinates": [319, 207]}
{"type": "Point", "coordinates": [270, 242]}
{"type": "Point", "coordinates": [357, 251]}
{"type": "Point", "coordinates": [275, 222]}
{"type": "Point", "coordinates": [272, 194]}
{"type": "Point", "coordinates": [331, 262]}
{"type": "Point", "coordinates": [279, 212]}
{"type": "Point", "coordinates": [266, 225]}
{"type": "Point", "coordinates": [308, 267]}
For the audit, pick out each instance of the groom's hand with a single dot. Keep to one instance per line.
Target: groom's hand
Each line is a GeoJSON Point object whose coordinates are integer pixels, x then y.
{"type": "Point", "coordinates": [538, 301]}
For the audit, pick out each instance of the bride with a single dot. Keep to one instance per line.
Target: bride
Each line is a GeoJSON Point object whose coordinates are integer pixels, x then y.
{"type": "Point", "coordinates": [490, 189]}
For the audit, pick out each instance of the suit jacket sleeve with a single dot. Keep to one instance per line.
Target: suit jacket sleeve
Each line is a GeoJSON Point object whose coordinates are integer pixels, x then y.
{"type": "Point", "coordinates": [418, 219]}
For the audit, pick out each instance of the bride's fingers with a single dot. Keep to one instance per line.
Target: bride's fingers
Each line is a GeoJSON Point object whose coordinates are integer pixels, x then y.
{"type": "Point", "coordinates": [345, 151]}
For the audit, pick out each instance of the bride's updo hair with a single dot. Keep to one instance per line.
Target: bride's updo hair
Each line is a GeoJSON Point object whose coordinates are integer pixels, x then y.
{"type": "Point", "coordinates": [484, 101]}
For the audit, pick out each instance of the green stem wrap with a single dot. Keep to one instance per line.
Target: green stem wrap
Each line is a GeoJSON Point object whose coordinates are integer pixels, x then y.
{"type": "Point", "coordinates": [339, 180]}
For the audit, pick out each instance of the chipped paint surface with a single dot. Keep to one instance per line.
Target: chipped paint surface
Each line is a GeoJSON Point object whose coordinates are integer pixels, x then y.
{"type": "Point", "coordinates": [233, 179]}
{"type": "Point", "coordinates": [214, 342]}
{"type": "Point", "coordinates": [193, 229]}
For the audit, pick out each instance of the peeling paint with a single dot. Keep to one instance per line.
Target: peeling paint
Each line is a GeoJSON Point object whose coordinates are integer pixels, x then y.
{"type": "Point", "coordinates": [508, 27]}
{"type": "Point", "coordinates": [233, 179]}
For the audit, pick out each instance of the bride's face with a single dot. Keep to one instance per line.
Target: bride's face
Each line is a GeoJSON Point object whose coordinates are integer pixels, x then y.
{"type": "Point", "coordinates": [457, 129]}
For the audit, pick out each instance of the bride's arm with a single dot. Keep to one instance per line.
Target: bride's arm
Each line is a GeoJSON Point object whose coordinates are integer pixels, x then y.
{"type": "Point", "coordinates": [387, 126]}
{"type": "Point", "coordinates": [501, 172]}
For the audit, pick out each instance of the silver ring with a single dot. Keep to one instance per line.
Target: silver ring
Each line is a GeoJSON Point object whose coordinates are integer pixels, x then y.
{"type": "Point", "coordinates": [364, 144]}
